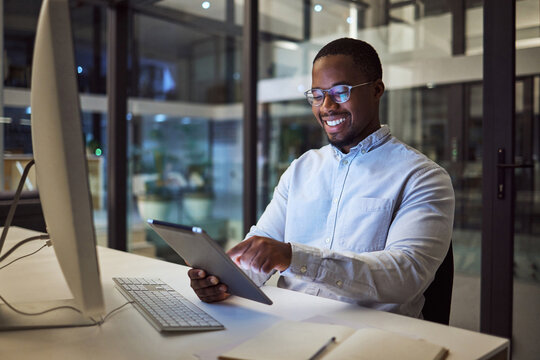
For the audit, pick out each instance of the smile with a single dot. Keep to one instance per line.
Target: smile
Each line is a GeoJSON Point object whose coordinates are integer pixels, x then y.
{"type": "Point", "coordinates": [335, 122]}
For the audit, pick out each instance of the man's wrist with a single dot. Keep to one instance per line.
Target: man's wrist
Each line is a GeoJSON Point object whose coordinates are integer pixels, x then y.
{"type": "Point", "coordinates": [288, 257]}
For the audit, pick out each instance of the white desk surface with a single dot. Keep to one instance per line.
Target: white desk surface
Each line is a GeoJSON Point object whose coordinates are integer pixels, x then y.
{"type": "Point", "coordinates": [127, 335]}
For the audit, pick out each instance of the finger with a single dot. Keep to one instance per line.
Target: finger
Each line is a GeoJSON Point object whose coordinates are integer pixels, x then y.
{"type": "Point", "coordinates": [207, 282]}
{"type": "Point", "coordinates": [211, 292]}
{"type": "Point", "coordinates": [267, 266]}
{"type": "Point", "coordinates": [264, 262]}
{"type": "Point", "coordinates": [240, 248]}
{"type": "Point", "coordinates": [211, 299]}
{"type": "Point", "coordinates": [255, 258]}
{"type": "Point", "coordinates": [252, 258]}
{"type": "Point", "coordinates": [196, 274]}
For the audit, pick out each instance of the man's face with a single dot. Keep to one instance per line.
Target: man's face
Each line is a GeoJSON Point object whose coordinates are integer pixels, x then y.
{"type": "Point", "coordinates": [348, 123]}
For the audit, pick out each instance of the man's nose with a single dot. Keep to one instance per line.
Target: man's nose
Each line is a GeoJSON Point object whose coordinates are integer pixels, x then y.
{"type": "Point", "coordinates": [328, 102]}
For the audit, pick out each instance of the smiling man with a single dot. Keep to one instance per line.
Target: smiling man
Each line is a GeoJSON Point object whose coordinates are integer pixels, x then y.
{"type": "Point", "coordinates": [365, 219]}
{"type": "Point", "coordinates": [348, 116]}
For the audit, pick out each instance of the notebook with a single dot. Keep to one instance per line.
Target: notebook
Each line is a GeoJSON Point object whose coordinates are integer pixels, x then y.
{"type": "Point", "coordinates": [290, 340]}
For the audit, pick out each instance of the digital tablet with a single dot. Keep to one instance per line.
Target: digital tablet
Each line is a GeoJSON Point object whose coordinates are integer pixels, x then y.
{"type": "Point", "coordinates": [200, 251]}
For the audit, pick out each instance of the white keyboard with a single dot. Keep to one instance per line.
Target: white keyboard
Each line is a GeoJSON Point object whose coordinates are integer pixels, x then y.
{"type": "Point", "coordinates": [164, 307]}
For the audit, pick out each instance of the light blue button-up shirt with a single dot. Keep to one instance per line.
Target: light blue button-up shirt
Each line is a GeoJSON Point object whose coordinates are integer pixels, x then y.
{"type": "Point", "coordinates": [369, 227]}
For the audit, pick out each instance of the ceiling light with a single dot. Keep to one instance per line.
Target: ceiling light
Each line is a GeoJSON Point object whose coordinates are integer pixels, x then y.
{"type": "Point", "coordinates": [205, 5]}
{"type": "Point", "coordinates": [317, 8]}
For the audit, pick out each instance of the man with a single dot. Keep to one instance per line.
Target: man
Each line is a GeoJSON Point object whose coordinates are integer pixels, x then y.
{"type": "Point", "coordinates": [366, 219]}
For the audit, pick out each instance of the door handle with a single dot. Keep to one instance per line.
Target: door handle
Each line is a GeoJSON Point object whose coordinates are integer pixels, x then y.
{"type": "Point", "coordinates": [501, 166]}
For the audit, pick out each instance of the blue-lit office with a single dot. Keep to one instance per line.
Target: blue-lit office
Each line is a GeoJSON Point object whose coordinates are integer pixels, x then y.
{"type": "Point", "coordinates": [262, 179]}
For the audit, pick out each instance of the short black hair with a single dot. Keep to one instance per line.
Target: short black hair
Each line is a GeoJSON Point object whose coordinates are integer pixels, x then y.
{"type": "Point", "coordinates": [362, 53]}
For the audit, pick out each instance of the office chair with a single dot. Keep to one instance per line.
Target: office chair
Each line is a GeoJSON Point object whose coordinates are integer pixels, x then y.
{"type": "Point", "coordinates": [438, 295]}
{"type": "Point", "coordinates": [28, 214]}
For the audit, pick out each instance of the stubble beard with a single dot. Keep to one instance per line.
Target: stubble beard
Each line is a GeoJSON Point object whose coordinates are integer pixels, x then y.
{"type": "Point", "coordinates": [350, 140]}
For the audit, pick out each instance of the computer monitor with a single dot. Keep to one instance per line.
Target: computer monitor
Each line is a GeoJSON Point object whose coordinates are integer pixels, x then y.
{"type": "Point", "coordinates": [61, 172]}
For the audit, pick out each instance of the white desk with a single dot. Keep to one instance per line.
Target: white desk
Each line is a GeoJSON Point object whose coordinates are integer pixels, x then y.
{"type": "Point", "coordinates": [127, 335]}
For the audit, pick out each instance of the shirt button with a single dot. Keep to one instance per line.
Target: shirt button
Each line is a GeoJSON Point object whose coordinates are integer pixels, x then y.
{"type": "Point", "coordinates": [327, 240]}
{"type": "Point", "coordinates": [335, 201]}
{"type": "Point", "coordinates": [363, 151]}
{"type": "Point", "coordinates": [303, 269]}
{"type": "Point", "coordinates": [339, 283]}
{"type": "Point", "coordinates": [345, 162]}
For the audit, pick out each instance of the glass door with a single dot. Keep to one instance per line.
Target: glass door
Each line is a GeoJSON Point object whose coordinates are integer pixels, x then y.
{"type": "Point", "coordinates": [526, 287]}
{"type": "Point", "coordinates": [510, 237]}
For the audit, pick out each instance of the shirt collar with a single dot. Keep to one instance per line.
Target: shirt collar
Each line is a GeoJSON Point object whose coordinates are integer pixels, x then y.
{"type": "Point", "coordinates": [372, 141]}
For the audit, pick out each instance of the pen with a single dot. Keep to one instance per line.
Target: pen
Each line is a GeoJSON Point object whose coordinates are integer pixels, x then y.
{"type": "Point", "coordinates": [321, 350]}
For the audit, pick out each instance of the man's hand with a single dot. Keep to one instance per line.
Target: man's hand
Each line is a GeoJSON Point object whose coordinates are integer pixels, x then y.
{"type": "Point", "coordinates": [207, 288]}
{"type": "Point", "coordinates": [262, 254]}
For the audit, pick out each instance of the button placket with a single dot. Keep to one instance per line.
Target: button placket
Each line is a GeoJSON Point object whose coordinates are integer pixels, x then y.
{"type": "Point", "coordinates": [339, 182]}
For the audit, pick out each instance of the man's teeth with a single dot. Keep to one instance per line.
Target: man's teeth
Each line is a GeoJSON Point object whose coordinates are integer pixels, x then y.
{"type": "Point", "coordinates": [335, 122]}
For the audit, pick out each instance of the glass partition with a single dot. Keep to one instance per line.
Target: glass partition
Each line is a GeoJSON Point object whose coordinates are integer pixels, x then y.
{"type": "Point", "coordinates": [527, 184]}
{"type": "Point", "coordinates": [185, 142]}
{"type": "Point", "coordinates": [185, 170]}
{"type": "Point", "coordinates": [88, 26]}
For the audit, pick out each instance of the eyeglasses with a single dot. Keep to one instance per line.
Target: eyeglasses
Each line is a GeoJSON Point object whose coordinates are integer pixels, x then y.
{"type": "Point", "coordinates": [338, 94]}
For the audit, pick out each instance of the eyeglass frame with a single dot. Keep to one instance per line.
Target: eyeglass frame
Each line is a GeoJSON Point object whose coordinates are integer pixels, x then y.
{"type": "Point", "coordinates": [327, 91]}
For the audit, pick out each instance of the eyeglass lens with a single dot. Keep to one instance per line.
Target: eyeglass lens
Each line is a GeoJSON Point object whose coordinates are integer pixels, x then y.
{"type": "Point", "coordinates": [339, 94]}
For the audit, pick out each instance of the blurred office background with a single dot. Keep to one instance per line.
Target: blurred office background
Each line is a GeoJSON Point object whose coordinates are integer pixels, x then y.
{"type": "Point", "coordinates": [185, 116]}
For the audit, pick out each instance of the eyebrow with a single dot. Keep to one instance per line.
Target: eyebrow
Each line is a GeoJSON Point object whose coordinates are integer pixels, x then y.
{"type": "Point", "coordinates": [334, 84]}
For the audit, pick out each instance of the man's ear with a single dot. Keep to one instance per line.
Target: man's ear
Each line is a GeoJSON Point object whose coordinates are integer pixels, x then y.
{"type": "Point", "coordinates": [379, 88]}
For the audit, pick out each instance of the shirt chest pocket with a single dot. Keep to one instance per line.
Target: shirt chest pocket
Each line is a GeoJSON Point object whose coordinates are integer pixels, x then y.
{"type": "Point", "coordinates": [363, 224]}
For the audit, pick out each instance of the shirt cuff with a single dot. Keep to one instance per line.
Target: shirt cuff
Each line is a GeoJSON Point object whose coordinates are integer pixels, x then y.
{"type": "Point", "coordinates": [305, 262]}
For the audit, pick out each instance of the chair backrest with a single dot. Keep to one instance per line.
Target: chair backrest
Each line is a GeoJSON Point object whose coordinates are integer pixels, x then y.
{"type": "Point", "coordinates": [28, 214]}
{"type": "Point", "coordinates": [438, 296]}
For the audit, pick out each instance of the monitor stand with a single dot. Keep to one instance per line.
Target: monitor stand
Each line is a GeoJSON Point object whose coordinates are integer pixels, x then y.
{"type": "Point", "coordinates": [11, 320]}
